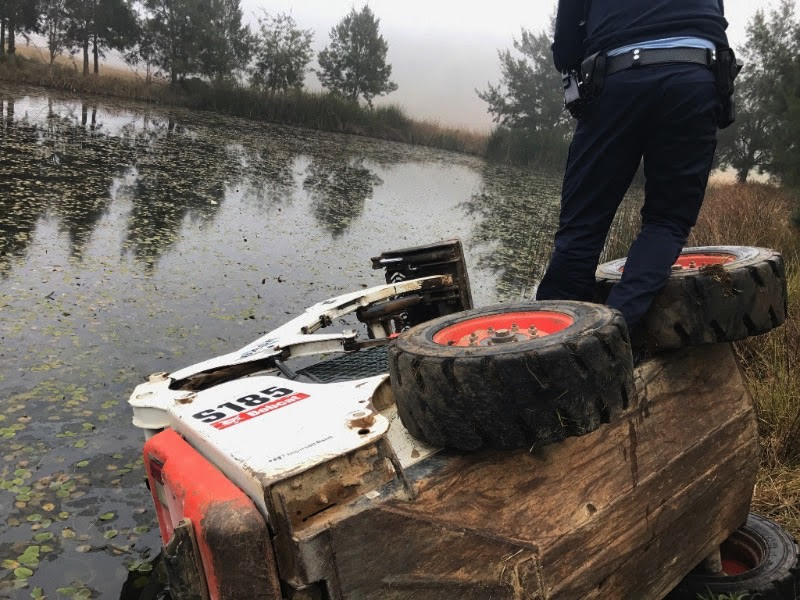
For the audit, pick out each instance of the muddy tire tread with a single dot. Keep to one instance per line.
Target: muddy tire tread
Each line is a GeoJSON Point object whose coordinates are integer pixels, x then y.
{"type": "Point", "coordinates": [515, 398]}
{"type": "Point", "coordinates": [713, 305]}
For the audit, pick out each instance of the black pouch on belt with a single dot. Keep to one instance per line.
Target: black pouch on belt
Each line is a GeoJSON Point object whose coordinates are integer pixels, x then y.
{"type": "Point", "coordinates": [593, 75]}
{"type": "Point", "coordinates": [726, 68]}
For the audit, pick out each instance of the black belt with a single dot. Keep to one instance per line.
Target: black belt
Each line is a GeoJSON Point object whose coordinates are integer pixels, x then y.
{"type": "Point", "coordinates": [659, 56]}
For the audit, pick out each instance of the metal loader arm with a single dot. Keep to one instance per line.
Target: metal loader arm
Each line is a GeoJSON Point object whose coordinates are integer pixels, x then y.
{"type": "Point", "coordinates": [297, 338]}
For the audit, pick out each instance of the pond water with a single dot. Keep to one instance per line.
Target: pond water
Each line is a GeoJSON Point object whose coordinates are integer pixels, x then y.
{"type": "Point", "coordinates": [135, 239]}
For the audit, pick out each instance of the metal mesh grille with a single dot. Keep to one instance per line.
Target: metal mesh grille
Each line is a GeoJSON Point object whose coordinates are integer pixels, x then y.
{"type": "Point", "coordinates": [356, 365]}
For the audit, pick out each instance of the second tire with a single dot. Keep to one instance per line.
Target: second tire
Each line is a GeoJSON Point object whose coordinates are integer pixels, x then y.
{"type": "Point", "coordinates": [714, 294]}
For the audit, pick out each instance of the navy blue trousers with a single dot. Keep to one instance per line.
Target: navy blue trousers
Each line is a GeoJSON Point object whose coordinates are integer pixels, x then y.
{"type": "Point", "coordinates": [666, 115]}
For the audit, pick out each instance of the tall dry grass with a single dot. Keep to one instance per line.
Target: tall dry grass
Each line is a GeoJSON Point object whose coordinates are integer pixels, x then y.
{"type": "Point", "coordinates": [761, 215]}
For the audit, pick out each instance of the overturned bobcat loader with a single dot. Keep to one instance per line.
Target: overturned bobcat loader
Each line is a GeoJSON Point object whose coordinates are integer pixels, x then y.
{"type": "Point", "coordinates": [508, 452]}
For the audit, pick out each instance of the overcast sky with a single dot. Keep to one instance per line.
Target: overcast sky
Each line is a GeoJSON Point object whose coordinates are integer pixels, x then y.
{"type": "Point", "coordinates": [441, 50]}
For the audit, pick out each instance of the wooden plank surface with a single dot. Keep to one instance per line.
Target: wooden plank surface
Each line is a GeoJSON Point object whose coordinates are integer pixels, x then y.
{"type": "Point", "coordinates": [623, 512]}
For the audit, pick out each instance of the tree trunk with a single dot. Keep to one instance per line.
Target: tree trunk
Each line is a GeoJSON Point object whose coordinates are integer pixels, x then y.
{"type": "Point", "coordinates": [741, 174]}
{"type": "Point", "coordinates": [96, 53]}
{"type": "Point", "coordinates": [86, 57]}
{"type": "Point", "coordinates": [12, 43]}
{"type": "Point", "coordinates": [2, 37]}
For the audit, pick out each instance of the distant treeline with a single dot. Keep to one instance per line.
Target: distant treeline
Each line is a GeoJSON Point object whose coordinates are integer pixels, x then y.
{"type": "Point", "coordinates": [179, 39]}
{"type": "Point", "coordinates": [214, 62]}
{"type": "Point", "coordinates": [533, 127]}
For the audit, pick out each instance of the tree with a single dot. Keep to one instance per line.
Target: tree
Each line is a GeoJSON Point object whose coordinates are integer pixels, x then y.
{"type": "Point", "coordinates": [18, 16]}
{"type": "Point", "coordinates": [282, 53]}
{"type": "Point", "coordinates": [54, 26]}
{"type": "Point", "coordinates": [746, 145]}
{"type": "Point", "coordinates": [529, 94]}
{"type": "Point", "coordinates": [101, 24]}
{"type": "Point", "coordinates": [224, 44]}
{"type": "Point", "coordinates": [764, 95]}
{"type": "Point", "coordinates": [528, 104]}
{"type": "Point", "coordinates": [143, 50]}
{"type": "Point", "coordinates": [354, 64]}
{"type": "Point", "coordinates": [175, 29]}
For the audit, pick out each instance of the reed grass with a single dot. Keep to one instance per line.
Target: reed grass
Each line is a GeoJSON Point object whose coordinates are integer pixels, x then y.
{"type": "Point", "coordinates": [761, 215]}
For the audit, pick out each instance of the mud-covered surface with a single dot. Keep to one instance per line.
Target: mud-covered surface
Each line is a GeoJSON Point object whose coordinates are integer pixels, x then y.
{"type": "Point", "coordinates": [135, 240]}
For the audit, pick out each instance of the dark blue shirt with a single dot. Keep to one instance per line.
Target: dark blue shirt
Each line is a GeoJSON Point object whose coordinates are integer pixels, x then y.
{"type": "Point", "coordinates": [614, 23]}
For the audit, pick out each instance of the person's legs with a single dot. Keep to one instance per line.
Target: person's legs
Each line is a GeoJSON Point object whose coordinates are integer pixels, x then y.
{"type": "Point", "coordinates": [677, 160]}
{"type": "Point", "coordinates": [603, 158]}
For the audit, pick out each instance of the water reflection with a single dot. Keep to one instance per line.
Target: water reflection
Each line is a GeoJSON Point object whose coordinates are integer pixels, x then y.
{"type": "Point", "coordinates": [268, 170]}
{"type": "Point", "coordinates": [175, 176]}
{"type": "Point", "coordinates": [339, 186]}
{"type": "Point", "coordinates": [515, 219]}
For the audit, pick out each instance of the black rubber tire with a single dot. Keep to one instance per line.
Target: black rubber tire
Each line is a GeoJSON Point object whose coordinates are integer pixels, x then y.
{"type": "Point", "coordinates": [529, 393]}
{"type": "Point", "coordinates": [774, 578]}
{"type": "Point", "coordinates": [720, 303]}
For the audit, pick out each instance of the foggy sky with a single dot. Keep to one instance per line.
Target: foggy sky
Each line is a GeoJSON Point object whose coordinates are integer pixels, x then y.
{"type": "Point", "coordinates": [442, 50]}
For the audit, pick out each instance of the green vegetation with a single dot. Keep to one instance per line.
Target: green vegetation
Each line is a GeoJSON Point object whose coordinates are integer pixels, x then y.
{"type": "Point", "coordinates": [282, 54]}
{"type": "Point", "coordinates": [324, 111]}
{"type": "Point", "coordinates": [768, 97]}
{"type": "Point", "coordinates": [354, 64]}
{"type": "Point", "coordinates": [533, 127]}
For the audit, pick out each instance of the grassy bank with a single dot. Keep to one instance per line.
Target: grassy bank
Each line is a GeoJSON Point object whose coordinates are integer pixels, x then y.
{"type": "Point", "coordinates": [304, 109]}
{"type": "Point", "coordinates": [761, 215]}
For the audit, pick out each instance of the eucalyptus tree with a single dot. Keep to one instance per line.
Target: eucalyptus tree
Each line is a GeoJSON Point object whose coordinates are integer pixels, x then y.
{"type": "Point", "coordinates": [354, 63]}
{"type": "Point", "coordinates": [282, 53]}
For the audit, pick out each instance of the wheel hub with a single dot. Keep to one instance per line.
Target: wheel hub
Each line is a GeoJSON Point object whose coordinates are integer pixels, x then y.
{"type": "Point", "coordinates": [503, 328]}
{"type": "Point", "coordinates": [491, 336]}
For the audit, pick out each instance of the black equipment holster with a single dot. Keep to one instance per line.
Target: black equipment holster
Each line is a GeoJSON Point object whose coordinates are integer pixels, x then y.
{"type": "Point", "coordinates": [584, 83]}
{"type": "Point", "coordinates": [726, 68]}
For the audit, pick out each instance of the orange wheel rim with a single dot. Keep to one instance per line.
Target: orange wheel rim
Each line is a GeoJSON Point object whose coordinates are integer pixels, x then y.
{"type": "Point", "coordinates": [503, 328]}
